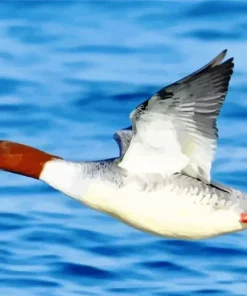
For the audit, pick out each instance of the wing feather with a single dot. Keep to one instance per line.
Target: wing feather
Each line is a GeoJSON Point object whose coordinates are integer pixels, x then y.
{"type": "Point", "coordinates": [123, 138]}
{"type": "Point", "coordinates": [175, 130]}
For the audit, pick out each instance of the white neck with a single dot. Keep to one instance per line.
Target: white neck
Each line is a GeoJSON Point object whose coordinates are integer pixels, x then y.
{"type": "Point", "coordinates": [69, 177]}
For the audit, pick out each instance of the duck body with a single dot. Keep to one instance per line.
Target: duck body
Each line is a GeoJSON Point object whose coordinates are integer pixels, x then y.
{"type": "Point", "coordinates": [161, 181]}
{"type": "Point", "coordinates": [176, 206]}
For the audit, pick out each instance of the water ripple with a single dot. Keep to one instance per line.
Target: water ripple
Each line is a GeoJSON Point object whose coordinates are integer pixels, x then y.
{"type": "Point", "coordinates": [71, 72]}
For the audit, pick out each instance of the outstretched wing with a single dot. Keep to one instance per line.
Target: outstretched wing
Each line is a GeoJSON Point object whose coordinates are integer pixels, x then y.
{"type": "Point", "coordinates": [123, 138]}
{"type": "Point", "coordinates": [175, 130]}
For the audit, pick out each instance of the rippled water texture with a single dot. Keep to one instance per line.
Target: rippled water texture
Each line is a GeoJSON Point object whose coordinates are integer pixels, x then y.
{"type": "Point", "coordinates": [70, 73]}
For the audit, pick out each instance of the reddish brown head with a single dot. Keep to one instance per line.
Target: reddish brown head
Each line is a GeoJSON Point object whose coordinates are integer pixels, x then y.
{"type": "Point", "coordinates": [22, 159]}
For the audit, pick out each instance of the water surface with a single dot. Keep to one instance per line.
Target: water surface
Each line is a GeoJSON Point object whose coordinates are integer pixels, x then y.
{"type": "Point", "coordinates": [70, 73]}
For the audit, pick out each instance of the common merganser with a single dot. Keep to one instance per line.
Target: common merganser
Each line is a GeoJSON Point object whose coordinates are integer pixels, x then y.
{"type": "Point", "coordinates": [160, 183]}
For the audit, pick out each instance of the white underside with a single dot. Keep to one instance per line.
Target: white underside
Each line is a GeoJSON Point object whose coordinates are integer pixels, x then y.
{"type": "Point", "coordinates": [162, 212]}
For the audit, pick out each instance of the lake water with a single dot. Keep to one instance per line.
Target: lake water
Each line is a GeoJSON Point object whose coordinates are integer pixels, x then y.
{"type": "Point", "coordinates": [70, 73]}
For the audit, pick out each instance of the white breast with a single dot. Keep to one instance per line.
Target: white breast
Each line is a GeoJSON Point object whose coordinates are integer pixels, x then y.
{"type": "Point", "coordinates": [162, 212]}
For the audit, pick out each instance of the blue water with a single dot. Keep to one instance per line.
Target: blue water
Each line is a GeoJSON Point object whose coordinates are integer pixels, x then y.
{"type": "Point", "coordinates": [70, 73]}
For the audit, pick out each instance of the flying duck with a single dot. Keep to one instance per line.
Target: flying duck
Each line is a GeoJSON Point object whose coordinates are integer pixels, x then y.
{"type": "Point", "coordinates": [160, 183]}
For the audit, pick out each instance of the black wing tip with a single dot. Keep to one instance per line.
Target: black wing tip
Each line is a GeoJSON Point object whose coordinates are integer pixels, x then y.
{"type": "Point", "coordinates": [215, 62]}
{"type": "Point", "coordinates": [227, 67]}
{"type": "Point", "coordinates": [217, 65]}
{"type": "Point", "coordinates": [218, 60]}
{"type": "Point", "coordinates": [221, 56]}
{"type": "Point", "coordinates": [224, 52]}
{"type": "Point", "coordinates": [221, 75]}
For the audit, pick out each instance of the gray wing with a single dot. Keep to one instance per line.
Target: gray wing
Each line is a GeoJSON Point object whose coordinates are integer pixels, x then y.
{"type": "Point", "coordinates": [175, 130]}
{"type": "Point", "coordinates": [123, 138]}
